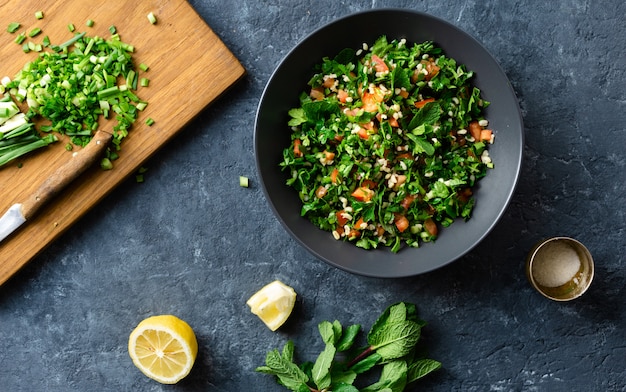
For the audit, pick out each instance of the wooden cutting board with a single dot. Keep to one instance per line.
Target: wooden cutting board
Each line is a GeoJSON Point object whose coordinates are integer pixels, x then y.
{"type": "Point", "coordinates": [189, 68]}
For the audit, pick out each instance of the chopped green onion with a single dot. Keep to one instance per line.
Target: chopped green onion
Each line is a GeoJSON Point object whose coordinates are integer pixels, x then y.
{"type": "Point", "coordinates": [69, 147]}
{"type": "Point", "coordinates": [71, 41]}
{"type": "Point", "coordinates": [34, 32]}
{"type": "Point", "coordinates": [152, 18]}
{"type": "Point", "coordinates": [46, 41]}
{"type": "Point", "coordinates": [145, 82]}
{"type": "Point", "coordinates": [39, 14]}
{"type": "Point", "coordinates": [143, 67]}
{"type": "Point", "coordinates": [74, 84]}
{"type": "Point", "coordinates": [13, 27]}
{"type": "Point", "coordinates": [112, 29]}
{"type": "Point", "coordinates": [106, 164]}
{"type": "Point", "coordinates": [20, 38]}
{"type": "Point", "coordinates": [71, 27]}
{"type": "Point", "coordinates": [149, 121]}
{"type": "Point", "coordinates": [89, 23]}
{"type": "Point", "coordinates": [243, 181]}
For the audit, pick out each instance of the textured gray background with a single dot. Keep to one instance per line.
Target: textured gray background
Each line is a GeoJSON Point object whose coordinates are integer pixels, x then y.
{"type": "Point", "coordinates": [190, 241]}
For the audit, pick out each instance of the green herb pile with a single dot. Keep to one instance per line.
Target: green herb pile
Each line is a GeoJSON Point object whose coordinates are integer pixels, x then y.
{"type": "Point", "coordinates": [388, 144]}
{"type": "Point", "coordinates": [17, 133]}
{"type": "Point", "coordinates": [73, 84]}
{"type": "Point", "coordinates": [391, 349]}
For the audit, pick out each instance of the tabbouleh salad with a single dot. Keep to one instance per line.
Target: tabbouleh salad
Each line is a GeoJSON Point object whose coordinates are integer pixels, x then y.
{"type": "Point", "coordinates": [388, 144]}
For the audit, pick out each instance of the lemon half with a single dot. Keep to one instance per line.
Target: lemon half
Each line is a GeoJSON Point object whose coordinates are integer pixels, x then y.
{"type": "Point", "coordinates": [273, 304]}
{"type": "Point", "coordinates": [164, 348]}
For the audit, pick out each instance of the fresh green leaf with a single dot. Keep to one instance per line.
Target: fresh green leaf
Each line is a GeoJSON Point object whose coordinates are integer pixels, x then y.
{"type": "Point", "coordinates": [345, 388]}
{"type": "Point", "coordinates": [321, 368]}
{"type": "Point", "coordinates": [366, 364]}
{"type": "Point", "coordinates": [395, 340]}
{"type": "Point", "coordinates": [393, 314]}
{"type": "Point", "coordinates": [297, 117]}
{"type": "Point", "coordinates": [327, 332]}
{"type": "Point", "coordinates": [421, 368]}
{"type": "Point", "coordinates": [393, 378]}
{"type": "Point", "coordinates": [429, 114]}
{"type": "Point", "coordinates": [348, 337]}
{"type": "Point", "coordinates": [288, 373]}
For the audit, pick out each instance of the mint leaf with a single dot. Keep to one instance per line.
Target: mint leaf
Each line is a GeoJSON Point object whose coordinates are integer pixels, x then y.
{"type": "Point", "coordinates": [287, 372]}
{"type": "Point", "coordinates": [393, 378]}
{"type": "Point", "coordinates": [429, 114]}
{"type": "Point", "coordinates": [394, 313]}
{"type": "Point", "coordinates": [366, 364]}
{"type": "Point", "coordinates": [342, 377]}
{"type": "Point", "coordinates": [314, 111]}
{"type": "Point", "coordinates": [345, 388]}
{"type": "Point", "coordinates": [288, 350]}
{"type": "Point", "coordinates": [348, 337]}
{"type": "Point", "coordinates": [321, 368]}
{"type": "Point", "coordinates": [395, 340]}
{"type": "Point", "coordinates": [327, 332]}
{"type": "Point", "coordinates": [422, 367]}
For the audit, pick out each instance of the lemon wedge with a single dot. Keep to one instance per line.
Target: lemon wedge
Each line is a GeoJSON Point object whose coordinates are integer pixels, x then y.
{"type": "Point", "coordinates": [164, 348]}
{"type": "Point", "coordinates": [273, 304]}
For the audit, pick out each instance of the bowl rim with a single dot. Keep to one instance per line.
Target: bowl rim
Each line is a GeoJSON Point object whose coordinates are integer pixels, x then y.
{"type": "Point", "coordinates": [518, 121]}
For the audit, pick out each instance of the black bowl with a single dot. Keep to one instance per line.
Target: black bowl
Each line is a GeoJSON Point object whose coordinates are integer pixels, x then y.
{"type": "Point", "coordinates": [493, 193]}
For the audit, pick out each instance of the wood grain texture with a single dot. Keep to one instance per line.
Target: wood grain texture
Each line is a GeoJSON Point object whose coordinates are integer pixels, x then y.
{"type": "Point", "coordinates": [180, 50]}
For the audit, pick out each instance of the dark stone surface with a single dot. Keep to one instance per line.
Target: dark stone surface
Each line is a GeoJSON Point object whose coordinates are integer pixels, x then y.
{"type": "Point", "coordinates": [190, 241]}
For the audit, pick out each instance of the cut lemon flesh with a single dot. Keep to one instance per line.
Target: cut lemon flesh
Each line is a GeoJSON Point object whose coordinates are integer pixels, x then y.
{"type": "Point", "coordinates": [164, 348]}
{"type": "Point", "coordinates": [273, 304]}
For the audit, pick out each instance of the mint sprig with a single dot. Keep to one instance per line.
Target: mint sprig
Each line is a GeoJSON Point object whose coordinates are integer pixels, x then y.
{"type": "Point", "coordinates": [391, 345]}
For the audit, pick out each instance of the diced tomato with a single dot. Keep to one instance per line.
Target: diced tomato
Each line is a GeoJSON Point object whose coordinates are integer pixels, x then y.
{"type": "Point", "coordinates": [317, 93]}
{"type": "Point", "coordinates": [329, 82]}
{"type": "Point", "coordinates": [423, 102]}
{"type": "Point", "coordinates": [329, 156]}
{"type": "Point", "coordinates": [431, 67]}
{"type": "Point", "coordinates": [485, 135]}
{"type": "Point", "coordinates": [368, 184]}
{"type": "Point", "coordinates": [341, 219]}
{"type": "Point", "coordinates": [475, 129]}
{"type": "Point", "coordinates": [338, 137]}
{"type": "Point", "coordinates": [380, 230]}
{"type": "Point", "coordinates": [430, 226]}
{"type": "Point", "coordinates": [342, 95]}
{"type": "Point", "coordinates": [320, 191]}
{"type": "Point", "coordinates": [296, 148]}
{"type": "Point", "coordinates": [363, 194]}
{"type": "Point", "coordinates": [371, 100]}
{"type": "Point", "coordinates": [379, 64]}
{"type": "Point", "coordinates": [392, 120]}
{"type": "Point", "coordinates": [401, 222]}
{"type": "Point", "coordinates": [363, 134]}
{"type": "Point", "coordinates": [403, 93]}
{"type": "Point", "coordinates": [354, 234]}
{"type": "Point", "coordinates": [351, 112]}
{"type": "Point", "coordinates": [360, 224]}
{"type": "Point", "coordinates": [407, 201]}
{"type": "Point", "coordinates": [334, 176]}
{"type": "Point", "coordinates": [405, 155]}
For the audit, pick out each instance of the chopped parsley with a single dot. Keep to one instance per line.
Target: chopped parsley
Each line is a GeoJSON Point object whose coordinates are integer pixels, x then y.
{"type": "Point", "coordinates": [388, 144]}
